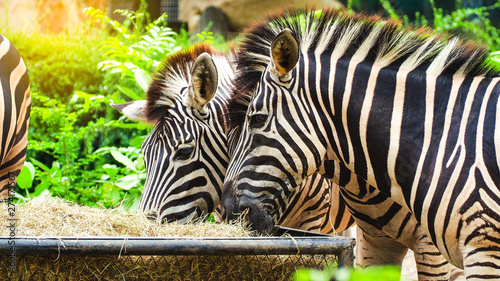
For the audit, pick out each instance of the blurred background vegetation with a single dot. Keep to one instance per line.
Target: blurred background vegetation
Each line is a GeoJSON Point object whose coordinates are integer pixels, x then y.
{"type": "Point", "coordinates": [83, 150]}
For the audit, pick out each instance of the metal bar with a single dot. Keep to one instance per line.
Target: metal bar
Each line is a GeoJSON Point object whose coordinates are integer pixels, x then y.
{"type": "Point", "coordinates": [346, 258]}
{"type": "Point", "coordinates": [176, 245]}
{"type": "Point", "coordinates": [279, 230]}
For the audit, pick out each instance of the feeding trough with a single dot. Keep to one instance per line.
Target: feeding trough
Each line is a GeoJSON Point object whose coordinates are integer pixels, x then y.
{"type": "Point", "coordinates": [170, 256]}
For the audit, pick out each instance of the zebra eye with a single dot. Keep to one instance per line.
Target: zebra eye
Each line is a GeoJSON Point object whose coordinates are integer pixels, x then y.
{"type": "Point", "coordinates": [257, 120]}
{"type": "Point", "coordinates": [184, 153]}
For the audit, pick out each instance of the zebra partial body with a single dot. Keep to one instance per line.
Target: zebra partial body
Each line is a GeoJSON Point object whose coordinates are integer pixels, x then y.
{"type": "Point", "coordinates": [15, 109]}
{"type": "Point", "coordinates": [395, 115]}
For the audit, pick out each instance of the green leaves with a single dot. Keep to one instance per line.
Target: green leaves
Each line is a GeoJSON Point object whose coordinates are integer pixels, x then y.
{"type": "Point", "coordinates": [123, 159]}
{"type": "Point", "coordinates": [143, 78]}
{"type": "Point", "coordinates": [132, 176]}
{"type": "Point", "coordinates": [331, 272]}
{"type": "Point", "coordinates": [27, 175]}
{"type": "Point", "coordinates": [137, 49]}
{"type": "Point", "coordinates": [371, 273]}
{"type": "Point", "coordinates": [472, 22]}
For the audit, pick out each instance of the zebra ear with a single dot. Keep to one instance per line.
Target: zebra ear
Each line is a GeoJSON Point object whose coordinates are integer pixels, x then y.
{"type": "Point", "coordinates": [204, 80]}
{"type": "Point", "coordinates": [135, 110]}
{"type": "Point", "coordinates": [284, 52]}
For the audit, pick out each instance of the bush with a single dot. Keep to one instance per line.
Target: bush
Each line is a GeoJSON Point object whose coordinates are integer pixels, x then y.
{"type": "Point", "coordinates": [473, 23]}
{"type": "Point", "coordinates": [60, 64]}
{"type": "Point", "coordinates": [80, 148]}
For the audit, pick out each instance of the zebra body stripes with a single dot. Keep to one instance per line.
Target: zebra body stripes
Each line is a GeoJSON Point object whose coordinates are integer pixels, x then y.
{"type": "Point", "coordinates": [386, 229]}
{"type": "Point", "coordinates": [408, 112]}
{"type": "Point", "coordinates": [15, 108]}
{"type": "Point", "coordinates": [186, 154]}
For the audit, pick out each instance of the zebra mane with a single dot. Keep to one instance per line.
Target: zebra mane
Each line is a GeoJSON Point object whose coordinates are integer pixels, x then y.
{"type": "Point", "coordinates": [173, 74]}
{"type": "Point", "coordinates": [359, 36]}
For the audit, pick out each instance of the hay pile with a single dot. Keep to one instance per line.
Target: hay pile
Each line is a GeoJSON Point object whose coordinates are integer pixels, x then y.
{"type": "Point", "coordinates": [49, 216]}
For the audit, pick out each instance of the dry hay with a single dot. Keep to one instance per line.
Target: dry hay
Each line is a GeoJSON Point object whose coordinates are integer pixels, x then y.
{"type": "Point", "coordinates": [52, 217]}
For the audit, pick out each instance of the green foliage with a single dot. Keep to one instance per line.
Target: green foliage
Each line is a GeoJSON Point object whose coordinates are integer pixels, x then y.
{"type": "Point", "coordinates": [471, 22]}
{"type": "Point", "coordinates": [207, 36]}
{"type": "Point", "coordinates": [495, 57]}
{"type": "Point", "coordinates": [80, 148]}
{"type": "Point", "coordinates": [27, 176]}
{"type": "Point", "coordinates": [474, 23]}
{"type": "Point", "coordinates": [332, 272]}
{"type": "Point", "coordinates": [60, 64]}
{"type": "Point", "coordinates": [69, 117]}
{"type": "Point", "coordinates": [63, 157]}
{"type": "Point", "coordinates": [305, 274]}
{"type": "Point", "coordinates": [136, 50]}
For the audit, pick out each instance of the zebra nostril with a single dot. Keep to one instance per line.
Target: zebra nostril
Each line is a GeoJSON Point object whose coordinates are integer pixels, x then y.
{"type": "Point", "coordinates": [253, 213]}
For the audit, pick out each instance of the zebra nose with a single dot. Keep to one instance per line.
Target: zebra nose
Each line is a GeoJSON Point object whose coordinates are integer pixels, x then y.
{"type": "Point", "coordinates": [255, 215]}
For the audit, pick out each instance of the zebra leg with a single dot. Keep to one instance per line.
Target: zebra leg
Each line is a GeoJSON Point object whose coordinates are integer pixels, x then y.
{"type": "Point", "coordinates": [14, 160]}
{"type": "Point", "coordinates": [482, 260]}
{"type": "Point", "coordinates": [378, 250]}
{"type": "Point", "coordinates": [431, 265]}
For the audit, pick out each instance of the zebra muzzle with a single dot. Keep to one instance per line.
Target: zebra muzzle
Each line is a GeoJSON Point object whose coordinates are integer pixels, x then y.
{"type": "Point", "coordinates": [255, 215]}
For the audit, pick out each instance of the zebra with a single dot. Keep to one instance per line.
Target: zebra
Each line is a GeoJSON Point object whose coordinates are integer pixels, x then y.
{"type": "Point", "coordinates": [187, 152]}
{"type": "Point", "coordinates": [15, 112]}
{"type": "Point", "coordinates": [355, 98]}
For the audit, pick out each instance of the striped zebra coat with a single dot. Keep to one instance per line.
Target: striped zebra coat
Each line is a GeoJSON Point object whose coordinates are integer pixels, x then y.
{"type": "Point", "coordinates": [186, 154]}
{"type": "Point", "coordinates": [15, 108]}
{"type": "Point", "coordinates": [408, 112]}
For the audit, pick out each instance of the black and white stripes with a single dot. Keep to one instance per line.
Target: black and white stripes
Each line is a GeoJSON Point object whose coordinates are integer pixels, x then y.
{"type": "Point", "coordinates": [186, 154]}
{"type": "Point", "coordinates": [15, 105]}
{"type": "Point", "coordinates": [408, 112]}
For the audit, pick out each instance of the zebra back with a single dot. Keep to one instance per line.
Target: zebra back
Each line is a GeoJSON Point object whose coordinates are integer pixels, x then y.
{"type": "Point", "coordinates": [15, 106]}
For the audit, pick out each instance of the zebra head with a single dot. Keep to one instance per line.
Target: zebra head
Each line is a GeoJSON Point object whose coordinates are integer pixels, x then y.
{"type": "Point", "coordinates": [186, 153]}
{"type": "Point", "coordinates": [268, 162]}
